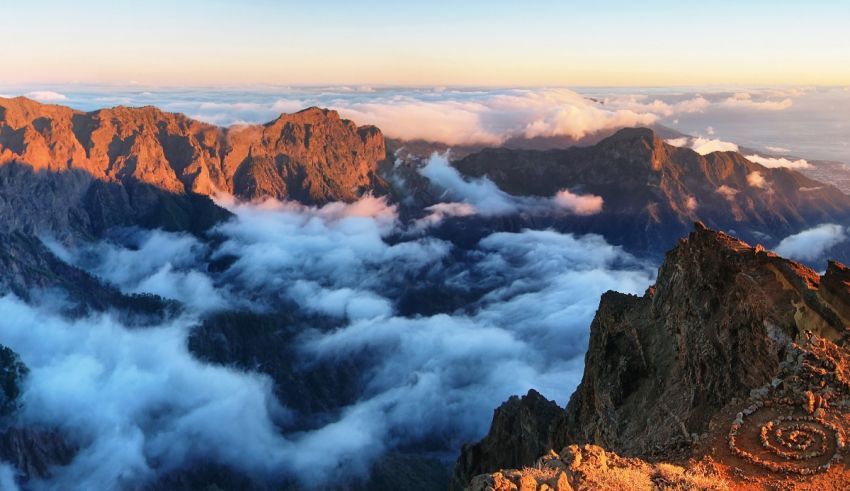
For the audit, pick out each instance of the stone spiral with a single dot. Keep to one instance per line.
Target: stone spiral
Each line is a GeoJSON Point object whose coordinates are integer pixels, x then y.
{"type": "Point", "coordinates": [800, 444]}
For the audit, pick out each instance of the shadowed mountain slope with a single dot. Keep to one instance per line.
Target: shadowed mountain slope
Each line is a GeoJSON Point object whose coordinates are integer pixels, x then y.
{"type": "Point", "coordinates": [653, 191]}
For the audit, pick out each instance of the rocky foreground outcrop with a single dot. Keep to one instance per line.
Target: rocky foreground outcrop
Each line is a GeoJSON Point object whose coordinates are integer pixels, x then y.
{"type": "Point", "coordinates": [312, 156]}
{"type": "Point", "coordinates": [731, 372]}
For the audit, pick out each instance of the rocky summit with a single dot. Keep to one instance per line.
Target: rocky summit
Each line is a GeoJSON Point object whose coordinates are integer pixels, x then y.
{"type": "Point", "coordinates": [653, 191]}
{"type": "Point", "coordinates": [731, 372]}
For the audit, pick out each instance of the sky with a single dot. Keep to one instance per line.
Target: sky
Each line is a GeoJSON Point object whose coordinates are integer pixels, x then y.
{"type": "Point", "coordinates": [492, 43]}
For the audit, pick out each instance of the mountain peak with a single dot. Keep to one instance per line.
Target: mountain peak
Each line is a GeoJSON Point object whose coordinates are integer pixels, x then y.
{"type": "Point", "coordinates": [631, 134]}
{"type": "Point", "coordinates": [312, 156]}
{"type": "Point", "coordinates": [311, 114]}
{"type": "Point", "coordinates": [728, 339]}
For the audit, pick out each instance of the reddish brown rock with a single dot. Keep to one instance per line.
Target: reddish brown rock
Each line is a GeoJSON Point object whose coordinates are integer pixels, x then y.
{"type": "Point", "coordinates": [312, 156]}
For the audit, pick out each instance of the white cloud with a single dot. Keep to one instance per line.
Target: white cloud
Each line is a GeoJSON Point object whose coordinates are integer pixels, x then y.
{"type": "Point", "coordinates": [151, 262]}
{"type": "Point", "coordinates": [580, 205]}
{"type": "Point", "coordinates": [492, 118]}
{"type": "Point", "coordinates": [691, 203]}
{"type": "Point", "coordinates": [236, 113]}
{"type": "Point", "coordinates": [481, 193]}
{"type": "Point", "coordinates": [705, 146]}
{"type": "Point", "coordinates": [773, 162]}
{"type": "Point", "coordinates": [811, 244]}
{"type": "Point", "coordinates": [440, 211]}
{"type": "Point", "coordinates": [46, 96]}
{"type": "Point", "coordinates": [727, 192]}
{"type": "Point", "coordinates": [756, 180]}
{"type": "Point", "coordinates": [455, 116]}
{"type": "Point", "coordinates": [638, 104]}
{"type": "Point", "coordinates": [778, 149]}
{"type": "Point", "coordinates": [485, 198]}
{"type": "Point", "coordinates": [682, 141]}
{"type": "Point", "coordinates": [745, 100]}
{"type": "Point", "coordinates": [135, 399]}
{"type": "Point", "coordinates": [346, 303]}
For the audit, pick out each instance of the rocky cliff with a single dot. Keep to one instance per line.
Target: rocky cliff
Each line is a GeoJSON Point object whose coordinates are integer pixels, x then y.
{"type": "Point", "coordinates": [733, 365]}
{"type": "Point", "coordinates": [312, 156]}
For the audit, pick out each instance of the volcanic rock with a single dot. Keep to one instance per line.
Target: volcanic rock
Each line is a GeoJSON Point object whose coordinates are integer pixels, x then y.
{"type": "Point", "coordinates": [729, 337]}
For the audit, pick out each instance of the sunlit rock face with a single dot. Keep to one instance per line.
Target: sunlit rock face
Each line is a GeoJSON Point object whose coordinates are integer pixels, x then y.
{"type": "Point", "coordinates": [312, 156]}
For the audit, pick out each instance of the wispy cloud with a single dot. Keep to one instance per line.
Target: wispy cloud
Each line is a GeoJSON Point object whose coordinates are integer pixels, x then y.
{"type": "Point", "coordinates": [744, 100]}
{"type": "Point", "coordinates": [579, 204]}
{"type": "Point", "coordinates": [46, 96]}
{"type": "Point", "coordinates": [756, 180]}
{"type": "Point", "coordinates": [487, 199]}
{"type": "Point", "coordinates": [702, 145]}
{"type": "Point", "coordinates": [135, 398]}
{"type": "Point", "coordinates": [811, 244]}
{"type": "Point", "coordinates": [728, 192]}
{"type": "Point", "coordinates": [773, 162]}
{"type": "Point", "coordinates": [457, 118]}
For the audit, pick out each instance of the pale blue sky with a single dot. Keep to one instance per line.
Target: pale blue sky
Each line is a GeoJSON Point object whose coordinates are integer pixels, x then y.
{"type": "Point", "coordinates": [435, 42]}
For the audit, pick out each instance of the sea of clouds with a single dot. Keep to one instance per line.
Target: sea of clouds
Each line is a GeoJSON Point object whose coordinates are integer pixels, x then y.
{"type": "Point", "coordinates": [780, 122]}
{"type": "Point", "coordinates": [138, 404]}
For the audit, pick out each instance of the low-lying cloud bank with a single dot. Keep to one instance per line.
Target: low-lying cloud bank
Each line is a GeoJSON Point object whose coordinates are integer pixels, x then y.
{"type": "Point", "coordinates": [134, 400]}
{"type": "Point", "coordinates": [812, 244]}
{"type": "Point", "coordinates": [139, 404]}
{"type": "Point", "coordinates": [494, 118]}
{"type": "Point", "coordinates": [481, 196]}
{"type": "Point", "coordinates": [453, 116]}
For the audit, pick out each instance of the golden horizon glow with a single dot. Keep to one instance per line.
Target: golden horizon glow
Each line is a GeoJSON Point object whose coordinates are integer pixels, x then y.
{"type": "Point", "coordinates": [477, 43]}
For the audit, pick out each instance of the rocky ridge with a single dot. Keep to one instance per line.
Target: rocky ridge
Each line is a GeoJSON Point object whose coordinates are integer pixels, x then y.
{"type": "Point", "coordinates": [312, 156]}
{"type": "Point", "coordinates": [654, 191]}
{"type": "Point", "coordinates": [730, 373]}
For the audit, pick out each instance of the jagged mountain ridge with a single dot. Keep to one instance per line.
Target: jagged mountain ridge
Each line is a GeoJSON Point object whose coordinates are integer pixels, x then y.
{"type": "Point", "coordinates": [653, 191]}
{"type": "Point", "coordinates": [728, 333]}
{"type": "Point", "coordinates": [312, 156]}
